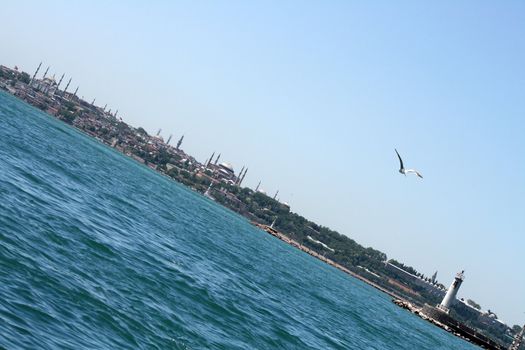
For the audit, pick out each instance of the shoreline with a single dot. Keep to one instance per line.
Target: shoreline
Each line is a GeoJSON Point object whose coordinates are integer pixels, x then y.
{"type": "Point", "coordinates": [266, 228]}
{"type": "Point", "coordinates": [330, 262]}
{"type": "Point", "coordinates": [426, 312]}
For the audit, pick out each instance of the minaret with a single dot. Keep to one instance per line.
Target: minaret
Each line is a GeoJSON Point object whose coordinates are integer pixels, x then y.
{"type": "Point", "coordinates": [239, 176]}
{"type": "Point", "coordinates": [276, 193]}
{"type": "Point", "coordinates": [158, 132]}
{"type": "Point", "coordinates": [257, 188]}
{"type": "Point", "coordinates": [60, 81]}
{"type": "Point", "coordinates": [242, 178]}
{"type": "Point", "coordinates": [180, 143]}
{"type": "Point", "coordinates": [211, 158]}
{"type": "Point", "coordinates": [452, 292]}
{"type": "Point", "coordinates": [216, 160]}
{"type": "Point", "coordinates": [93, 103]}
{"type": "Point", "coordinates": [75, 93]}
{"type": "Point", "coordinates": [34, 75]}
{"type": "Point", "coordinates": [104, 109]}
{"type": "Point", "coordinates": [116, 112]}
{"type": "Point", "coordinates": [169, 139]}
{"type": "Point", "coordinates": [433, 279]}
{"type": "Point", "coordinates": [67, 85]}
{"type": "Point", "coordinates": [45, 73]}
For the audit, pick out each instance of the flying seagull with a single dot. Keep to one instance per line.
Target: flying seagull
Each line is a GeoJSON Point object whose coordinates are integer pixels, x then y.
{"type": "Point", "coordinates": [402, 169]}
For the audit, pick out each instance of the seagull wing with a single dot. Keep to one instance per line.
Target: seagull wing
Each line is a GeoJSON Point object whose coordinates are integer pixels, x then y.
{"type": "Point", "coordinates": [401, 166]}
{"type": "Point", "coordinates": [413, 171]}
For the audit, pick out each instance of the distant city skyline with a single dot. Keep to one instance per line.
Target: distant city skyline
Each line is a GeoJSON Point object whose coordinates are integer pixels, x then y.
{"type": "Point", "coordinates": [314, 99]}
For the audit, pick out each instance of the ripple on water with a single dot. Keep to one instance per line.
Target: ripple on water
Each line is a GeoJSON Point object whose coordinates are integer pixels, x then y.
{"type": "Point", "coordinates": [99, 252]}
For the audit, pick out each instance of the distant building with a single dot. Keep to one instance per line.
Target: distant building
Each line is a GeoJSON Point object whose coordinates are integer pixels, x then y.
{"type": "Point", "coordinates": [47, 85]}
{"type": "Point", "coordinates": [223, 172]}
{"type": "Point", "coordinates": [310, 238]}
{"type": "Point", "coordinates": [226, 169]}
{"type": "Point", "coordinates": [431, 287]}
{"type": "Point", "coordinates": [7, 71]}
{"type": "Point", "coordinates": [170, 166]}
{"type": "Point", "coordinates": [261, 190]}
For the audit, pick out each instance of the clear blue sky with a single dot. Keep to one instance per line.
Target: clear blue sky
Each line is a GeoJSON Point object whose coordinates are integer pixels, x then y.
{"type": "Point", "coordinates": [314, 97]}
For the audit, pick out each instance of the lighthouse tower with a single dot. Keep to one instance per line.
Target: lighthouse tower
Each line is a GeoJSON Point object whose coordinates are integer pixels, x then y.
{"type": "Point", "coordinates": [451, 292]}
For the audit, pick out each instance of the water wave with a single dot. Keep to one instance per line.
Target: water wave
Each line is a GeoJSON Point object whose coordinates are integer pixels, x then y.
{"type": "Point", "coordinates": [97, 251]}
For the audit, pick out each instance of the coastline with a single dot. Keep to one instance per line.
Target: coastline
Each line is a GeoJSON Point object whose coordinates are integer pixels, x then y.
{"type": "Point", "coordinates": [426, 312]}
{"type": "Point", "coordinates": [286, 239]}
{"type": "Point", "coordinates": [266, 228]}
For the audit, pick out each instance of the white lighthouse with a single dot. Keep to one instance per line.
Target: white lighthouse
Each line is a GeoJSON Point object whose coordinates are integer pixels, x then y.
{"type": "Point", "coordinates": [451, 292]}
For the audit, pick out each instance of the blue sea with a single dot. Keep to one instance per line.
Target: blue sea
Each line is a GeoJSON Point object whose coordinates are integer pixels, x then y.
{"type": "Point", "coordinates": [100, 252]}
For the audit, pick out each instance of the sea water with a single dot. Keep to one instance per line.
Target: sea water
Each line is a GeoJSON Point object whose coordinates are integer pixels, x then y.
{"type": "Point", "coordinates": [100, 252]}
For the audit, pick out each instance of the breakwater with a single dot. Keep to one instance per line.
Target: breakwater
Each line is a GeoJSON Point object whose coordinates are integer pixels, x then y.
{"type": "Point", "coordinates": [428, 313]}
{"type": "Point", "coordinates": [446, 322]}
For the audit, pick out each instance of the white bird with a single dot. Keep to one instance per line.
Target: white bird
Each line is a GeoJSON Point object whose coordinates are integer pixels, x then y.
{"type": "Point", "coordinates": [402, 169]}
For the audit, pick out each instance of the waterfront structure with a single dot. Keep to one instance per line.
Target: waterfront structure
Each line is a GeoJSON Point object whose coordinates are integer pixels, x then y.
{"type": "Point", "coordinates": [518, 340]}
{"type": "Point", "coordinates": [451, 293]}
{"type": "Point", "coordinates": [441, 316]}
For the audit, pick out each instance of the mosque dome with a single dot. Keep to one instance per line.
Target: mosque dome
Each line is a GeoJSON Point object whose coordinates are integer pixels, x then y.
{"type": "Point", "coordinates": [227, 166]}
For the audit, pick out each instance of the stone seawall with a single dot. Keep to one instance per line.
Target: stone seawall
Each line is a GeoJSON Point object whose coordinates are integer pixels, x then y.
{"type": "Point", "coordinates": [451, 325]}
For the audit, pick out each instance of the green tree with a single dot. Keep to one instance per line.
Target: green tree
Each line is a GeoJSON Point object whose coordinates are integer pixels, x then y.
{"type": "Point", "coordinates": [473, 304]}
{"type": "Point", "coordinates": [24, 77]}
{"type": "Point", "coordinates": [516, 329]}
